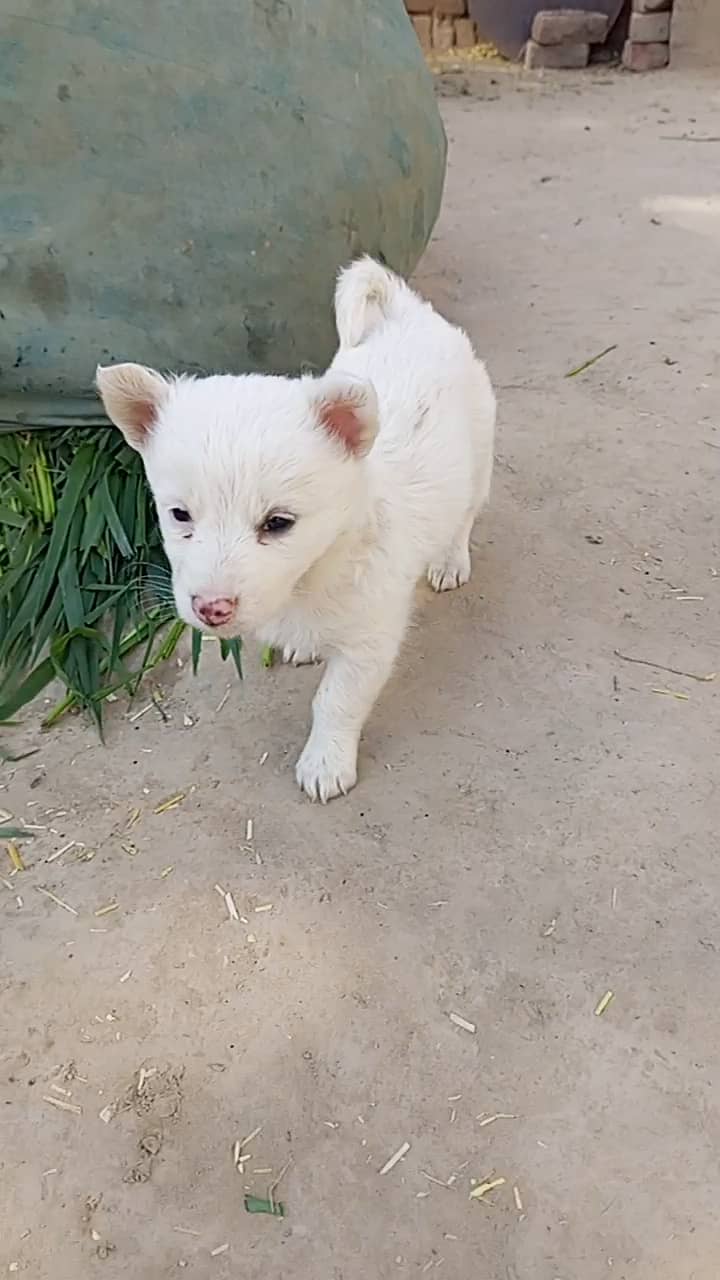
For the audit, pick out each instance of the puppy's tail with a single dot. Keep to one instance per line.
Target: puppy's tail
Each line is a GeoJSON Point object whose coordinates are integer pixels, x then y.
{"type": "Point", "coordinates": [367, 294]}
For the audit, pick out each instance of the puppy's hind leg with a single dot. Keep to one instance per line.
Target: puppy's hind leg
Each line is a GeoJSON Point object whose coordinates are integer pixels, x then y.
{"type": "Point", "coordinates": [453, 569]}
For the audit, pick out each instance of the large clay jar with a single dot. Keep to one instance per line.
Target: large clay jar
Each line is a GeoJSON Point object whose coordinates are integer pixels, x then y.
{"type": "Point", "coordinates": [180, 182]}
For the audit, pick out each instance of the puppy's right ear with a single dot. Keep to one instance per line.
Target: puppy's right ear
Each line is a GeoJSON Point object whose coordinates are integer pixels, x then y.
{"type": "Point", "coordinates": [133, 397]}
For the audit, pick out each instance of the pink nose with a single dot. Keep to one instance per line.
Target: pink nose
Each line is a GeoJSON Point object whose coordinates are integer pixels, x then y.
{"type": "Point", "coordinates": [214, 613]}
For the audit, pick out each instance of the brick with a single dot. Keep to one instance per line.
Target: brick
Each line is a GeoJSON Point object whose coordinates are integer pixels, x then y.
{"type": "Point", "coordinates": [443, 33]}
{"type": "Point", "coordinates": [649, 28]}
{"type": "Point", "coordinates": [569, 26]}
{"type": "Point", "coordinates": [423, 30]}
{"type": "Point", "coordinates": [451, 8]}
{"type": "Point", "coordinates": [419, 6]}
{"type": "Point", "coordinates": [556, 57]}
{"type": "Point", "coordinates": [645, 57]}
{"type": "Point", "coordinates": [465, 33]}
{"type": "Point", "coordinates": [651, 6]}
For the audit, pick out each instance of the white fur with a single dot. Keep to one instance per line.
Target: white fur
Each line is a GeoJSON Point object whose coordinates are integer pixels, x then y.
{"type": "Point", "coordinates": [372, 515]}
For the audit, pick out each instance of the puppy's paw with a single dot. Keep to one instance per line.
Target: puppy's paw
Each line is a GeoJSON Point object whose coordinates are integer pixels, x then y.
{"type": "Point", "coordinates": [299, 657]}
{"type": "Point", "coordinates": [454, 572]}
{"type": "Point", "coordinates": [326, 769]}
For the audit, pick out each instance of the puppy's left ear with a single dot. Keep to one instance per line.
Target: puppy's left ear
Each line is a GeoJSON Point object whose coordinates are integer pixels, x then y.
{"type": "Point", "coordinates": [347, 408]}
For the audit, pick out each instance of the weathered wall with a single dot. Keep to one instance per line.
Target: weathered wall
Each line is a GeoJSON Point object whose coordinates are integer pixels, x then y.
{"type": "Point", "coordinates": [695, 37]}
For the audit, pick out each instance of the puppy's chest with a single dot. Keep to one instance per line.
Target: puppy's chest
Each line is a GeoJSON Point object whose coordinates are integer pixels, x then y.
{"type": "Point", "coordinates": [321, 621]}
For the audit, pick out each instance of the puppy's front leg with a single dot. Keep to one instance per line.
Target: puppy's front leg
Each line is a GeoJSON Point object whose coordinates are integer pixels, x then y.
{"type": "Point", "coordinates": [351, 683]}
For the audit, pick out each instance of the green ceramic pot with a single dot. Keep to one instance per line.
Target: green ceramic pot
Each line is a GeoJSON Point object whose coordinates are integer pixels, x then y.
{"type": "Point", "coordinates": [180, 182]}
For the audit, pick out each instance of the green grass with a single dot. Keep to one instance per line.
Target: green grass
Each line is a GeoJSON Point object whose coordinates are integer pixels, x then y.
{"type": "Point", "coordinates": [85, 594]}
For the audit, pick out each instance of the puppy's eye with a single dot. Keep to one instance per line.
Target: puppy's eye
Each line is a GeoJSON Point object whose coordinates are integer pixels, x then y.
{"type": "Point", "coordinates": [277, 524]}
{"type": "Point", "coordinates": [181, 515]}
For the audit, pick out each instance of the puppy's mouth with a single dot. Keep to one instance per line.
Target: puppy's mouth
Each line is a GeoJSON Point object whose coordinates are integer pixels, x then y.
{"type": "Point", "coordinates": [232, 630]}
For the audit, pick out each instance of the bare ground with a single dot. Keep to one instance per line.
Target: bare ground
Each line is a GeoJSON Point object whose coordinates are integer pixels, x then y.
{"type": "Point", "coordinates": [535, 825]}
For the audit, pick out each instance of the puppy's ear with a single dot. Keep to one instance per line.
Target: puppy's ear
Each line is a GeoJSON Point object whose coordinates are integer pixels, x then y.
{"type": "Point", "coordinates": [347, 408]}
{"type": "Point", "coordinates": [132, 396]}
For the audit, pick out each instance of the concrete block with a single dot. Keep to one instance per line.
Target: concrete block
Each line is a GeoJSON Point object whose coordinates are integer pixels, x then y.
{"type": "Point", "coordinates": [422, 23]}
{"type": "Point", "coordinates": [645, 57]}
{"type": "Point", "coordinates": [649, 28]}
{"type": "Point", "coordinates": [569, 26]}
{"type": "Point", "coordinates": [443, 33]}
{"type": "Point", "coordinates": [465, 33]}
{"type": "Point", "coordinates": [556, 57]}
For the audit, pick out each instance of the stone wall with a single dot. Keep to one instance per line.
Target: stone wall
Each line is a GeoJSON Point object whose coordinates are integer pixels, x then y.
{"type": "Point", "coordinates": [442, 24]}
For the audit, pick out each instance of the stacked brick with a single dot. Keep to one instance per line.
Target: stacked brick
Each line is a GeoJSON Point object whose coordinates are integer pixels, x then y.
{"type": "Point", "coordinates": [561, 38]}
{"type": "Point", "coordinates": [647, 47]}
{"type": "Point", "coordinates": [442, 24]}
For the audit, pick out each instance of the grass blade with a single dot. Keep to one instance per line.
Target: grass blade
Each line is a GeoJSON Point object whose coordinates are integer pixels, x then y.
{"type": "Point", "coordinates": [31, 686]}
{"type": "Point", "coordinates": [196, 649]}
{"type": "Point", "coordinates": [233, 649]}
{"type": "Point", "coordinates": [115, 524]}
{"type": "Point", "coordinates": [71, 594]}
{"type": "Point", "coordinates": [13, 518]}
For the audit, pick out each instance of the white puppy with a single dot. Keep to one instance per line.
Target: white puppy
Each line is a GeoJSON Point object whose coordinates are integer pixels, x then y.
{"type": "Point", "coordinates": [305, 510]}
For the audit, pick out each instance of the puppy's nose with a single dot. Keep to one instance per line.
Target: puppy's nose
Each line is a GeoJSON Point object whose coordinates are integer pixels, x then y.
{"type": "Point", "coordinates": [214, 613]}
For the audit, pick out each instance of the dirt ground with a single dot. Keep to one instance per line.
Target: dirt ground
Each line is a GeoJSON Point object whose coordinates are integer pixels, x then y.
{"type": "Point", "coordinates": [535, 824]}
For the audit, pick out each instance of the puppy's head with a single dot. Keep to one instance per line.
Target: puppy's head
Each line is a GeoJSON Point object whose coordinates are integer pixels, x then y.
{"type": "Point", "coordinates": [254, 479]}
